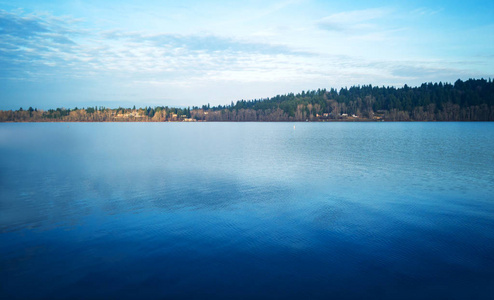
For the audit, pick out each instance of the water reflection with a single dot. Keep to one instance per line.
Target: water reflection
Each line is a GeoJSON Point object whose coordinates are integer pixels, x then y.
{"type": "Point", "coordinates": [252, 210]}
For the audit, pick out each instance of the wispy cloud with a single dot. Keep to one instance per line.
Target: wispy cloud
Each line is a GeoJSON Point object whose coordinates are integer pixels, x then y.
{"type": "Point", "coordinates": [426, 11]}
{"type": "Point", "coordinates": [30, 44]}
{"type": "Point", "coordinates": [39, 45]}
{"type": "Point", "coordinates": [353, 21]}
{"type": "Point", "coordinates": [196, 42]}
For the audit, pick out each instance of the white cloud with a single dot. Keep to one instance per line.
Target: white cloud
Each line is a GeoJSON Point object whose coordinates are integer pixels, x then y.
{"type": "Point", "coordinates": [426, 11]}
{"type": "Point", "coordinates": [354, 21]}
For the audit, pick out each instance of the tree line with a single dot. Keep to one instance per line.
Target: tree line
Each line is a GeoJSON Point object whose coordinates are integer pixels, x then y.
{"type": "Point", "coordinates": [98, 114]}
{"type": "Point", "coordinates": [470, 100]}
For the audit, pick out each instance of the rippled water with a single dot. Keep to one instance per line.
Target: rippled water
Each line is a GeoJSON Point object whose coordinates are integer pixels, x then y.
{"type": "Point", "coordinates": [247, 210]}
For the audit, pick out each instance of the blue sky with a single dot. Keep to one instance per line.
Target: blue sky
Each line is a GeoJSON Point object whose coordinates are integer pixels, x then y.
{"type": "Point", "coordinates": [180, 53]}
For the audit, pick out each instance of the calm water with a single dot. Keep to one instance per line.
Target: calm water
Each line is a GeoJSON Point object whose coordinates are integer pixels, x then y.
{"type": "Point", "coordinates": [247, 210]}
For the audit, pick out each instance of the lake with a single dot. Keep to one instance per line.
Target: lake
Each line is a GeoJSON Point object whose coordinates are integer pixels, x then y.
{"type": "Point", "coordinates": [247, 210]}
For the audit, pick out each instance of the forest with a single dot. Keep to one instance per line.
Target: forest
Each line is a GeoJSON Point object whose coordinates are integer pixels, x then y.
{"type": "Point", "coordinates": [470, 100]}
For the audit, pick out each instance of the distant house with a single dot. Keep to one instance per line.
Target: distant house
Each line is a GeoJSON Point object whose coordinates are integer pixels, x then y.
{"type": "Point", "coordinates": [344, 115]}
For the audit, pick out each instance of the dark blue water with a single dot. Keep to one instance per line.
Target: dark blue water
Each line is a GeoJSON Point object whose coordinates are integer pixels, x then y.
{"type": "Point", "coordinates": [247, 211]}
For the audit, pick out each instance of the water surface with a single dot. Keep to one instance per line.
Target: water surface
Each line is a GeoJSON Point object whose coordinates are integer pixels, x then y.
{"type": "Point", "coordinates": [247, 210]}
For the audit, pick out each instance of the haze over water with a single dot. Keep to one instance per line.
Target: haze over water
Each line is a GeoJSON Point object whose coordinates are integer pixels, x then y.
{"type": "Point", "coordinates": [247, 210]}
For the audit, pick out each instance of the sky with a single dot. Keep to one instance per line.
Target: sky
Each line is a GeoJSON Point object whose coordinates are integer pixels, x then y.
{"type": "Point", "coordinates": [188, 53]}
